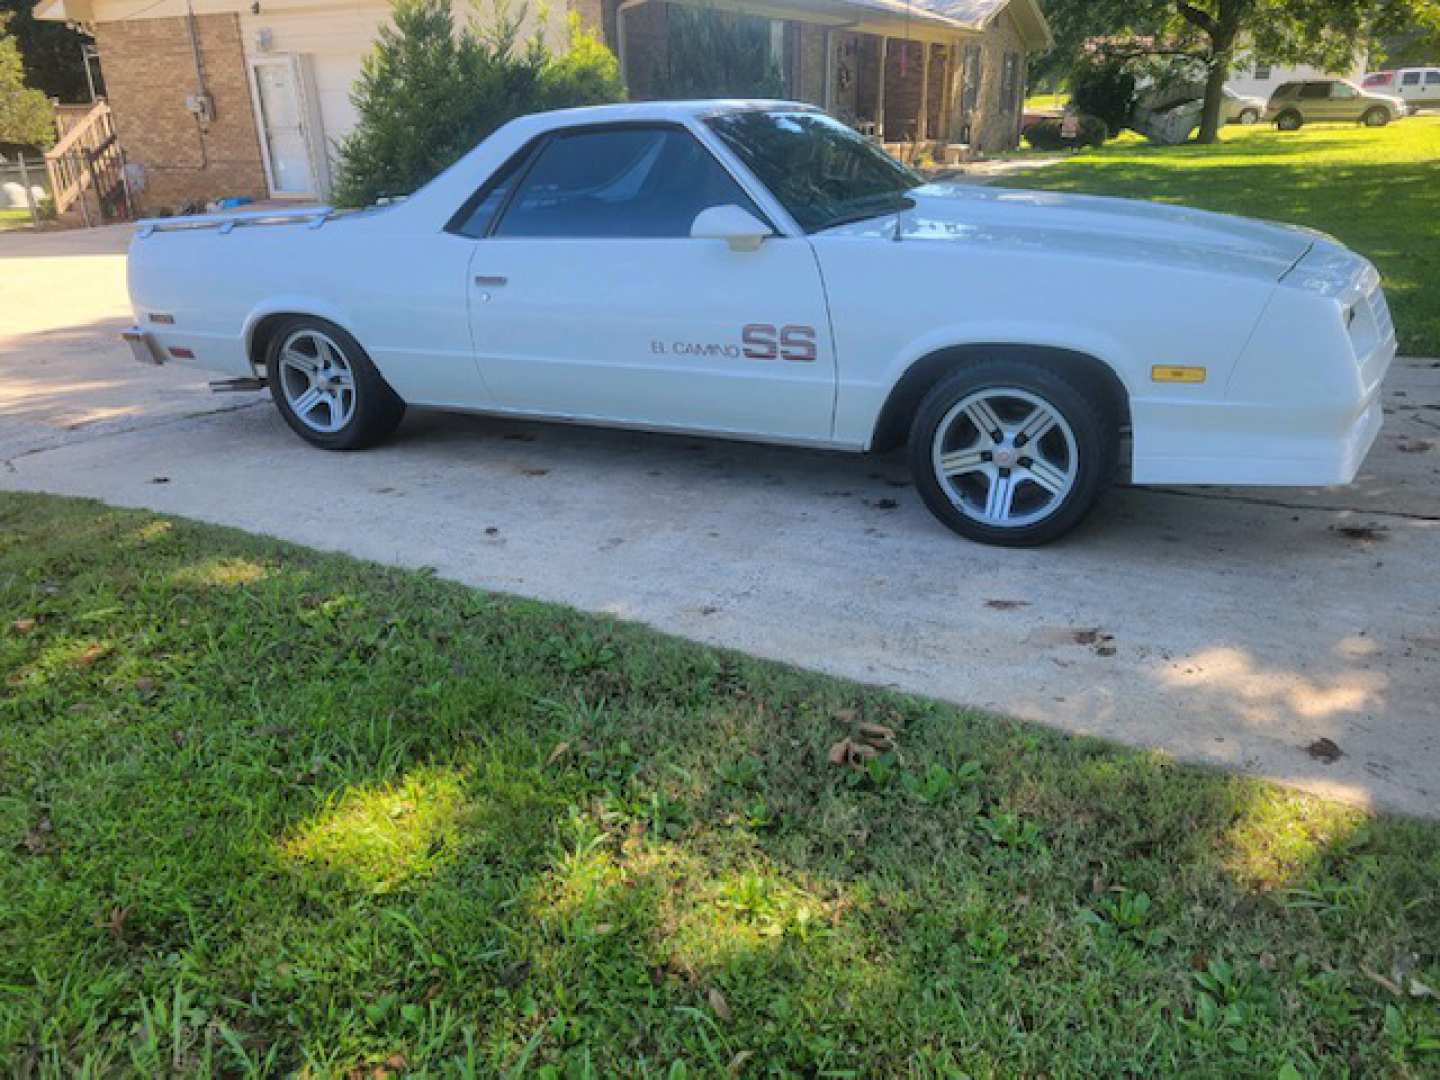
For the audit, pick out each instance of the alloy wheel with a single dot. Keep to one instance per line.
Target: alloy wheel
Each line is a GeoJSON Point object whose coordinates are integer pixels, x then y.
{"type": "Point", "coordinates": [1005, 457]}
{"type": "Point", "coordinates": [317, 381]}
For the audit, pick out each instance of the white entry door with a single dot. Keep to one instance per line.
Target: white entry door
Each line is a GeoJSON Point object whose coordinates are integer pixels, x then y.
{"type": "Point", "coordinates": [280, 111]}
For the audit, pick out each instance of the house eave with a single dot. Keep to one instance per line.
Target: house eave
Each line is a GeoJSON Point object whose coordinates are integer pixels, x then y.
{"type": "Point", "coordinates": [67, 11]}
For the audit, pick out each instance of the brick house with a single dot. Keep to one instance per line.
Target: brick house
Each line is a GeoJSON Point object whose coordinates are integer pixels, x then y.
{"type": "Point", "coordinates": [215, 98]}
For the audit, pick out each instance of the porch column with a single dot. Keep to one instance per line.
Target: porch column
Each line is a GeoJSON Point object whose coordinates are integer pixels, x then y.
{"type": "Point", "coordinates": [922, 122]}
{"type": "Point", "coordinates": [880, 92]}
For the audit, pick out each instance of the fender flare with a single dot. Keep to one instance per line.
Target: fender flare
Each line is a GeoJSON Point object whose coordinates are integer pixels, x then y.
{"type": "Point", "coordinates": [291, 304]}
{"type": "Point", "coordinates": [926, 359]}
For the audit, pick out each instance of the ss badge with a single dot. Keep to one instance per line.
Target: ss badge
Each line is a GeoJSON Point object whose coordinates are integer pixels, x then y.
{"type": "Point", "coordinates": [766, 342]}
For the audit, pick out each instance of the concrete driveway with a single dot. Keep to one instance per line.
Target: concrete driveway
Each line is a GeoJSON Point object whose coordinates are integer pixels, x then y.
{"type": "Point", "coordinates": [1223, 626]}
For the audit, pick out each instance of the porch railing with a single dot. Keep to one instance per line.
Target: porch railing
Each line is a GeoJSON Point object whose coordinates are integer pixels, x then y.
{"type": "Point", "coordinates": [88, 159]}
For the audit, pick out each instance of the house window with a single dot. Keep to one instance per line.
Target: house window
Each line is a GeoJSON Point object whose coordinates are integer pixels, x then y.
{"type": "Point", "coordinates": [1262, 72]}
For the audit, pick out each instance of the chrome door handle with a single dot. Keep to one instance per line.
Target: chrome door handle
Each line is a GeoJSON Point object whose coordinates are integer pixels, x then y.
{"type": "Point", "coordinates": [489, 281]}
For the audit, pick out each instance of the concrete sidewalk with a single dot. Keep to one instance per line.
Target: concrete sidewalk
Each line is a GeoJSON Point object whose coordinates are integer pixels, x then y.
{"type": "Point", "coordinates": [1234, 627]}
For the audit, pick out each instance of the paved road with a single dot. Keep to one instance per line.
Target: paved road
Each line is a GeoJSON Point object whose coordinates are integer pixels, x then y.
{"type": "Point", "coordinates": [1223, 626]}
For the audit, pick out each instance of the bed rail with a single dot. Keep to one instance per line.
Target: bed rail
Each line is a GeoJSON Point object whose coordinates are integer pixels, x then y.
{"type": "Point", "coordinates": [312, 216]}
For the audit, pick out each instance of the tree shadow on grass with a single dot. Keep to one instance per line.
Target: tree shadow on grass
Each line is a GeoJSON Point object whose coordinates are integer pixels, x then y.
{"type": "Point", "coordinates": [300, 812]}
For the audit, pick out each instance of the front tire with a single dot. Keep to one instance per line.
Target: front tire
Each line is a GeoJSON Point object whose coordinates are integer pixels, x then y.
{"type": "Point", "coordinates": [1289, 121]}
{"type": "Point", "coordinates": [327, 389]}
{"type": "Point", "coordinates": [1013, 452]}
{"type": "Point", "coordinates": [1375, 118]}
{"type": "Point", "coordinates": [1249, 117]}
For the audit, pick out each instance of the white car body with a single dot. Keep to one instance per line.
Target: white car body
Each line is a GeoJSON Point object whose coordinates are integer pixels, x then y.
{"type": "Point", "coordinates": [1289, 329]}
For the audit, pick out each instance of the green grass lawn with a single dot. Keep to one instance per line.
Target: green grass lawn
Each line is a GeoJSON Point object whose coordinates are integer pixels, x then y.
{"type": "Point", "coordinates": [1042, 102]}
{"type": "Point", "coordinates": [1378, 190]}
{"type": "Point", "coordinates": [266, 810]}
{"type": "Point", "coordinates": [14, 218]}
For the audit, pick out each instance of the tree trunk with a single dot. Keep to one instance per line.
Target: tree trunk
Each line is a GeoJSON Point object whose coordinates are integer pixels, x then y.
{"type": "Point", "coordinates": [1214, 99]}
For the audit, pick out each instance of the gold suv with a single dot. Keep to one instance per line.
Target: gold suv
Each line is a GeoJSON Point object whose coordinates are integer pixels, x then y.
{"type": "Point", "coordinates": [1296, 104]}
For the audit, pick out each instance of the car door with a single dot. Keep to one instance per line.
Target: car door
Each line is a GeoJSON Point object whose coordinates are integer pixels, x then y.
{"type": "Point", "coordinates": [1430, 93]}
{"type": "Point", "coordinates": [1313, 101]}
{"type": "Point", "coordinates": [1345, 102]}
{"type": "Point", "coordinates": [1411, 85]}
{"type": "Point", "coordinates": [590, 299]}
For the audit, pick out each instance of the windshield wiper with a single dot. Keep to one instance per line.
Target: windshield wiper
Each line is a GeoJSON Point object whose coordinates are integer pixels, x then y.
{"type": "Point", "coordinates": [902, 203]}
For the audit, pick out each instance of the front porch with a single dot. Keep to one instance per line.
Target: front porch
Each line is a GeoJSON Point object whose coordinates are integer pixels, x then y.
{"type": "Point", "coordinates": [909, 84]}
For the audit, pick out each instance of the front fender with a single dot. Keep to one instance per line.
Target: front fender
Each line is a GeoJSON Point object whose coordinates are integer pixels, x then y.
{"type": "Point", "coordinates": [861, 403]}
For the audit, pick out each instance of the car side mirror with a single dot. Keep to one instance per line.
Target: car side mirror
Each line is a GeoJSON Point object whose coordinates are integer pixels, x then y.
{"type": "Point", "coordinates": [739, 228]}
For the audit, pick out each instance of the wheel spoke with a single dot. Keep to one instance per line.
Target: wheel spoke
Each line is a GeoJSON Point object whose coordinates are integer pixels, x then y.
{"type": "Point", "coordinates": [306, 402]}
{"type": "Point", "coordinates": [336, 406]}
{"type": "Point", "coordinates": [293, 358]}
{"type": "Point", "coordinates": [960, 462]}
{"type": "Point", "coordinates": [1001, 496]}
{"type": "Point", "coordinates": [1047, 476]}
{"type": "Point", "coordinates": [985, 420]}
{"type": "Point", "coordinates": [1037, 425]}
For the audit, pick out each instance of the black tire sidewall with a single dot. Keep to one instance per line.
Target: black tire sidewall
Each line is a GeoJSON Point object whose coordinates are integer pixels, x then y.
{"type": "Point", "coordinates": [1096, 434]}
{"type": "Point", "coordinates": [378, 409]}
{"type": "Point", "coordinates": [1290, 121]}
{"type": "Point", "coordinates": [1369, 118]}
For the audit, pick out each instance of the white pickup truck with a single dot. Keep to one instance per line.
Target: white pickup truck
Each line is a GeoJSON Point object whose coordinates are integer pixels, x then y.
{"type": "Point", "coordinates": [757, 270]}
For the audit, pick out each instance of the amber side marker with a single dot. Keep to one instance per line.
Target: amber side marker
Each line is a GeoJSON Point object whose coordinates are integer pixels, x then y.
{"type": "Point", "coordinates": [1171, 373]}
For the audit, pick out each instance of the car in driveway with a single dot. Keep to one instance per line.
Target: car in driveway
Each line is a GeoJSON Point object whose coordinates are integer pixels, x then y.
{"type": "Point", "coordinates": [1295, 104]}
{"type": "Point", "coordinates": [758, 270]}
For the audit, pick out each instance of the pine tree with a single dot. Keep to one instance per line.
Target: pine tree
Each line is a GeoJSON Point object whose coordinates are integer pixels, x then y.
{"type": "Point", "coordinates": [430, 91]}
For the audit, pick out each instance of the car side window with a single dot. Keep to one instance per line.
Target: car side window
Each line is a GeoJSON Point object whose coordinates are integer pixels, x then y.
{"type": "Point", "coordinates": [1411, 78]}
{"type": "Point", "coordinates": [1310, 91]}
{"type": "Point", "coordinates": [474, 218]}
{"type": "Point", "coordinates": [1432, 77]}
{"type": "Point", "coordinates": [621, 182]}
{"type": "Point", "coordinates": [1340, 90]}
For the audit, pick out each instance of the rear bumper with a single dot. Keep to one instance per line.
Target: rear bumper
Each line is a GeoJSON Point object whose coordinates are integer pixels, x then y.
{"type": "Point", "coordinates": [143, 346]}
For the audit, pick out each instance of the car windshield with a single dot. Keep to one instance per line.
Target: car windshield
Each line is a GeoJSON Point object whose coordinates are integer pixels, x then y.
{"type": "Point", "coordinates": [824, 173]}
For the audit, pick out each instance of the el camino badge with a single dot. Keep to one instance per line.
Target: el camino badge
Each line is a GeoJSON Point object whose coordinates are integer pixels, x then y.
{"type": "Point", "coordinates": [758, 341]}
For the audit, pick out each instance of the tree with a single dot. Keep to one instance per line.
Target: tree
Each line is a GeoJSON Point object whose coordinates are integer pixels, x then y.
{"type": "Point", "coordinates": [26, 117]}
{"type": "Point", "coordinates": [1325, 33]}
{"type": "Point", "coordinates": [51, 51]}
{"type": "Point", "coordinates": [429, 91]}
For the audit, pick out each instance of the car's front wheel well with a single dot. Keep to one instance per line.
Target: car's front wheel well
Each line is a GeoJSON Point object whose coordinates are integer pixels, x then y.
{"type": "Point", "coordinates": [893, 425]}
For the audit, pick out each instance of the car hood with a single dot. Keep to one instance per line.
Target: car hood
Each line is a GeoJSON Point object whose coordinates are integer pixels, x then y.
{"type": "Point", "coordinates": [1085, 225]}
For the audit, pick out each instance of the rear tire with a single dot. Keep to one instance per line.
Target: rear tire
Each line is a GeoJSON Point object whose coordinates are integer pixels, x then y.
{"type": "Point", "coordinates": [327, 389]}
{"type": "Point", "coordinates": [1290, 121]}
{"type": "Point", "coordinates": [1056, 450]}
{"type": "Point", "coordinates": [1376, 117]}
{"type": "Point", "coordinates": [1249, 117]}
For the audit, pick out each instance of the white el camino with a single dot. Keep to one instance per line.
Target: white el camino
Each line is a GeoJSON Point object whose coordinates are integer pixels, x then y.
{"type": "Point", "coordinates": [757, 270]}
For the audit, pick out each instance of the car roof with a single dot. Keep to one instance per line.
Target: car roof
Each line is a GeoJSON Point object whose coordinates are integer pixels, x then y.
{"type": "Point", "coordinates": [662, 110]}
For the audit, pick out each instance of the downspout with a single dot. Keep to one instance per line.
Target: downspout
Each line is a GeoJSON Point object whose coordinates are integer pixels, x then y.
{"type": "Point", "coordinates": [202, 96]}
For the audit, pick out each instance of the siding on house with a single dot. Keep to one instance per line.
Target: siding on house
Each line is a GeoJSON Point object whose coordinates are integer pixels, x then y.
{"type": "Point", "coordinates": [149, 72]}
{"type": "Point", "coordinates": [999, 118]}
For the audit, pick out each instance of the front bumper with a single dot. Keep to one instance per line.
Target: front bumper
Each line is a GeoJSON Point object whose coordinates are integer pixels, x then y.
{"type": "Point", "coordinates": [143, 346]}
